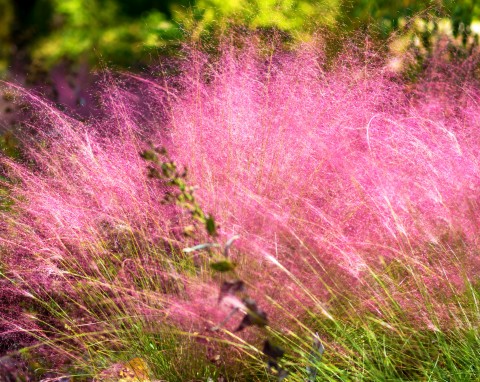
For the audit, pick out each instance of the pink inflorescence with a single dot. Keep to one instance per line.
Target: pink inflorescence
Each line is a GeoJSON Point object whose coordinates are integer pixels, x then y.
{"type": "Point", "coordinates": [346, 164]}
{"type": "Point", "coordinates": [323, 173]}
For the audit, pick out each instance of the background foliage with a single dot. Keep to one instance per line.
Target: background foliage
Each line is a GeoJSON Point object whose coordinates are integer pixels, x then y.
{"type": "Point", "coordinates": [128, 33]}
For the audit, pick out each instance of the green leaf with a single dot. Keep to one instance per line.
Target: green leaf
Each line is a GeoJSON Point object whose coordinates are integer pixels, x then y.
{"type": "Point", "coordinates": [149, 155]}
{"type": "Point", "coordinates": [222, 266]}
{"type": "Point", "coordinates": [211, 226]}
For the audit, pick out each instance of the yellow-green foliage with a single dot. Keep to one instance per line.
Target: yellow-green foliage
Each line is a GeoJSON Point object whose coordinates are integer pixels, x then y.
{"type": "Point", "coordinates": [92, 29]}
{"type": "Point", "coordinates": [297, 16]}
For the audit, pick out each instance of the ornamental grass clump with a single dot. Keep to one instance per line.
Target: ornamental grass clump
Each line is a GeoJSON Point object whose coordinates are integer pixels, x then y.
{"type": "Point", "coordinates": [354, 193]}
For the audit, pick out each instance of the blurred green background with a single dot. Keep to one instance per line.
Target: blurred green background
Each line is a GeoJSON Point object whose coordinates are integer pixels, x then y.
{"type": "Point", "coordinates": [130, 33]}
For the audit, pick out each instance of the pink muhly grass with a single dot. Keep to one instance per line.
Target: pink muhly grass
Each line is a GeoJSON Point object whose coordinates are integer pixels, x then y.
{"type": "Point", "coordinates": [333, 172]}
{"type": "Point", "coordinates": [325, 174]}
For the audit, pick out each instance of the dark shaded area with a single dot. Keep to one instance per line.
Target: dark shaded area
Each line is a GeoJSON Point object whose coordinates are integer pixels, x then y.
{"type": "Point", "coordinates": [32, 21]}
{"type": "Point", "coordinates": [139, 7]}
